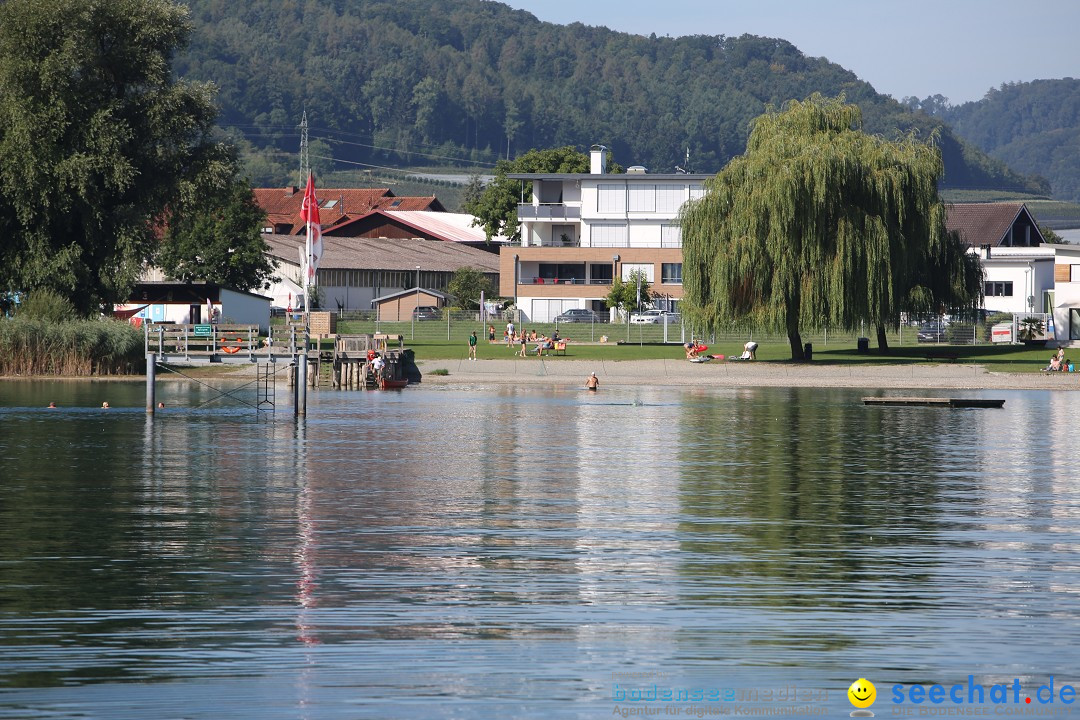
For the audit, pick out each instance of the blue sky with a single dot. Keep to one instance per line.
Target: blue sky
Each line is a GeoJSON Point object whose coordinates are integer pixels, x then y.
{"type": "Point", "coordinates": [956, 48]}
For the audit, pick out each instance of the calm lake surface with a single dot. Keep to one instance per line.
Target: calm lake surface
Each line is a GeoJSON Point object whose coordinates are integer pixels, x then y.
{"type": "Point", "coordinates": [480, 552]}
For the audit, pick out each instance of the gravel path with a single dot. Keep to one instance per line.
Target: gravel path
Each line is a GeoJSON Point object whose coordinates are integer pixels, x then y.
{"type": "Point", "coordinates": [560, 371]}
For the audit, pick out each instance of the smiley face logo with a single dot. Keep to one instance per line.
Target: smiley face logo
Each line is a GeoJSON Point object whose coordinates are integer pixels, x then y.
{"type": "Point", "coordinates": [862, 693]}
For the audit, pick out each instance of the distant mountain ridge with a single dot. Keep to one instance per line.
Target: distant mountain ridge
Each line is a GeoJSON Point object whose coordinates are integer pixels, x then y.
{"type": "Point", "coordinates": [1034, 127]}
{"type": "Point", "coordinates": [417, 81]}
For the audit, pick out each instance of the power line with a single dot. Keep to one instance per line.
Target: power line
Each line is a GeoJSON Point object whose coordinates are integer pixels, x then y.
{"type": "Point", "coordinates": [282, 135]}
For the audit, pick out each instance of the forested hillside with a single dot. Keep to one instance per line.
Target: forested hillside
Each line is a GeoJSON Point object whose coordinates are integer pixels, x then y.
{"type": "Point", "coordinates": [427, 81]}
{"type": "Point", "coordinates": [1034, 127]}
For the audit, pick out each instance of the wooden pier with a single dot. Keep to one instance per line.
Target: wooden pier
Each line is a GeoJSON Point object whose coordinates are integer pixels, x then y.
{"type": "Point", "coordinates": [348, 366]}
{"type": "Point", "coordinates": [935, 402]}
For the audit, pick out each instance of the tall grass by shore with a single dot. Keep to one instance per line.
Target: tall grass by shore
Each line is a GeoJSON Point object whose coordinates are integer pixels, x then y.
{"type": "Point", "coordinates": [30, 346]}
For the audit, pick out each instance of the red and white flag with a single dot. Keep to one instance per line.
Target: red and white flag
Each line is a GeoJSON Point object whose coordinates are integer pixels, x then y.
{"type": "Point", "coordinates": [309, 213]}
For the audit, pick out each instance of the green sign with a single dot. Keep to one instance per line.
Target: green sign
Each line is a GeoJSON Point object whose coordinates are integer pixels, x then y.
{"type": "Point", "coordinates": [203, 330]}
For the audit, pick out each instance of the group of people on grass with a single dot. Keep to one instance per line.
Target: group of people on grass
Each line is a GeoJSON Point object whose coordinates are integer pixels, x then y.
{"type": "Point", "coordinates": [1059, 363]}
{"type": "Point", "coordinates": [695, 352]}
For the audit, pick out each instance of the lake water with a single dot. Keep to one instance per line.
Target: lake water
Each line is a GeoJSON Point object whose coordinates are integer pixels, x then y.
{"type": "Point", "coordinates": [480, 552]}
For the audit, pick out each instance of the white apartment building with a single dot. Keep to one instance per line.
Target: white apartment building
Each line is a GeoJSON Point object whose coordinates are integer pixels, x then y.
{"type": "Point", "coordinates": [582, 230]}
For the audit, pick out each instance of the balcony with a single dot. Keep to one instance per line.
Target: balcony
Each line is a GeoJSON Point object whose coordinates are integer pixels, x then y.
{"type": "Point", "coordinates": [562, 281]}
{"type": "Point", "coordinates": [554, 212]}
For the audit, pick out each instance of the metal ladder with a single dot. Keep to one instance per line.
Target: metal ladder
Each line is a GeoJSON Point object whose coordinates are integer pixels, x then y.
{"type": "Point", "coordinates": [265, 379]}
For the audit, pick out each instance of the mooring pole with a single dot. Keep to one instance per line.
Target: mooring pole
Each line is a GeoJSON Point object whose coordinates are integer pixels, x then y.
{"type": "Point", "coordinates": [301, 384]}
{"type": "Point", "coordinates": [151, 376]}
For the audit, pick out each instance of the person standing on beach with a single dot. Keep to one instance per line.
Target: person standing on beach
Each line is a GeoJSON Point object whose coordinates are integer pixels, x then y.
{"type": "Point", "coordinates": [524, 349]}
{"type": "Point", "coordinates": [472, 346]}
{"type": "Point", "coordinates": [509, 333]}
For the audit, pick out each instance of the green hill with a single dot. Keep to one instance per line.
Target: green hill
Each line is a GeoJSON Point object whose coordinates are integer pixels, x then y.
{"type": "Point", "coordinates": [463, 82]}
{"type": "Point", "coordinates": [1034, 127]}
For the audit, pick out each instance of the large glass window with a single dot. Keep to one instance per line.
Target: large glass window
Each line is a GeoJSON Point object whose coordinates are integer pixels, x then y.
{"type": "Point", "coordinates": [648, 268]}
{"type": "Point", "coordinates": [608, 235]}
{"type": "Point", "coordinates": [670, 236]}
{"type": "Point", "coordinates": [610, 198]}
{"type": "Point", "coordinates": [998, 289]}
{"type": "Point", "coordinates": [642, 198]}
{"type": "Point", "coordinates": [671, 273]}
{"type": "Point", "coordinates": [669, 198]}
{"type": "Point", "coordinates": [601, 273]}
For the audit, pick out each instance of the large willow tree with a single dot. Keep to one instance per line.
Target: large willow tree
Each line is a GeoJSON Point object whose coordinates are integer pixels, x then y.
{"type": "Point", "coordinates": [819, 224]}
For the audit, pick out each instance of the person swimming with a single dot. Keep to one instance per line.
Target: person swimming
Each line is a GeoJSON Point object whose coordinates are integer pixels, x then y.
{"type": "Point", "coordinates": [592, 382]}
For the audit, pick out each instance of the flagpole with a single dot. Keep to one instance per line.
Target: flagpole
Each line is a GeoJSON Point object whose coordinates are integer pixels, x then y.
{"type": "Point", "coordinates": [307, 274]}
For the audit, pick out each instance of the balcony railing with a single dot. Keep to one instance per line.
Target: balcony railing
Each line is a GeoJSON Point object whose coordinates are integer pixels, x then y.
{"type": "Point", "coordinates": [563, 281]}
{"type": "Point", "coordinates": [548, 211]}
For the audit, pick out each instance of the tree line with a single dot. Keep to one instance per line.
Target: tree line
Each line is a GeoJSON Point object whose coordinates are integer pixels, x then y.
{"type": "Point", "coordinates": [1034, 127]}
{"type": "Point", "coordinates": [460, 81]}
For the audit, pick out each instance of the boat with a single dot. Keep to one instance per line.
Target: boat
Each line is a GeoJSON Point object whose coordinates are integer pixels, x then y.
{"type": "Point", "coordinates": [391, 384]}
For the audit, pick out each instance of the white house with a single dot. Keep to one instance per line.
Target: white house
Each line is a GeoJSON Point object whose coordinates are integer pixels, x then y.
{"type": "Point", "coordinates": [582, 230]}
{"type": "Point", "coordinates": [1018, 266]}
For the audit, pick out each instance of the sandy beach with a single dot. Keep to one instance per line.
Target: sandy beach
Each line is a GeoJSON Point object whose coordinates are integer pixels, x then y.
{"type": "Point", "coordinates": [559, 371]}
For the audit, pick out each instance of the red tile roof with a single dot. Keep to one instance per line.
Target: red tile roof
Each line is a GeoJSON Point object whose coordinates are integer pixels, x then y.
{"type": "Point", "coordinates": [336, 205]}
{"type": "Point", "coordinates": [982, 223]}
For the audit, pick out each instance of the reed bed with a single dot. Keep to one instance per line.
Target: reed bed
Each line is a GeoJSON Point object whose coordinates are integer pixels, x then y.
{"type": "Point", "coordinates": [69, 348]}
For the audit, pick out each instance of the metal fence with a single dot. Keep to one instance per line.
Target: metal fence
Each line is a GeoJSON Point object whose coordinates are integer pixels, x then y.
{"type": "Point", "coordinates": [455, 325]}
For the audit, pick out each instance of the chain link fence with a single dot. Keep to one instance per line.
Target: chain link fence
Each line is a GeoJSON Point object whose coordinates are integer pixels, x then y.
{"type": "Point", "coordinates": [454, 325]}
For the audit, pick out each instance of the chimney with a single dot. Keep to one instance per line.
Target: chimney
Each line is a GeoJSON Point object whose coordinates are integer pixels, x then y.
{"type": "Point", "coordinates": [597, 156]}
{"type": "Point", "coordinates": [291, 190]}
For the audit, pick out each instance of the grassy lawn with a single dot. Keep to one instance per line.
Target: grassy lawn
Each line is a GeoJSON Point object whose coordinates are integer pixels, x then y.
{"type": "Point", "coordinates": [429, 341]}
{"type": "Point", "coordinates": [1002, 358]}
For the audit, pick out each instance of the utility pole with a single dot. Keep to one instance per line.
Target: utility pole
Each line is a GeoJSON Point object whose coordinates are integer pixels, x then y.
{"type": "Point", "coordinates": [305, 161]}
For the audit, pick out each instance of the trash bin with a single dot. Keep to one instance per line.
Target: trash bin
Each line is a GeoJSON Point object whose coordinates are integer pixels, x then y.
{"type": "Point", "coordinates": [808, 352]}
{"type": "Point", "coordinates": [864, 346]}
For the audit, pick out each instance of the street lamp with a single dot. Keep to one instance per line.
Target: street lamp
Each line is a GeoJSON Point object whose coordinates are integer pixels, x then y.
{"type": "Point", "coordinates": [417, 303]}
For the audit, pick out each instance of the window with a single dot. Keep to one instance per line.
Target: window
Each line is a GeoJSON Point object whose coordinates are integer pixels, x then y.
{"type": "Point", "coordinates": [697, 191]}
{"type": "Point", "coordinates": [628, 269]}
{"type": "Point", "coordinates": [610, 198]}
{"type": "Point", "coordinates": [600, 273]}
{"type": "Point", "coordinates": [1074, 273]}
{"type": "Point", "coordinates": [998, 289]}
{"type": "Point", "coordinates": [608, 235]}
{"type": "Point", "coordinates": [671, 273]}
{"type": "Point", "coordinates": [642, 198]}
{"type": "Point", "coordinates": [669, 198]}
{"type": "Point", "coordinates": [670, 236]}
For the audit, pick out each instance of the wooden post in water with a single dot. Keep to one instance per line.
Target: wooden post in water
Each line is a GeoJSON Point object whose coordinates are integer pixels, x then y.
{"type": "Point", "coordinates": [301, 384]}
{"type": "Point", "coordinates": [151, 377]}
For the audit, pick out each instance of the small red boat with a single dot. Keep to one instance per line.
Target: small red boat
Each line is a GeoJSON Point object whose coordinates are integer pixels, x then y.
{"type": "Point", "coordinates": [388, 384]}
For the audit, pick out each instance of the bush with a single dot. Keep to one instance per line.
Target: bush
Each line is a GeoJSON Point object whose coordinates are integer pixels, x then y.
{"type": "Point", "coordinates": [47, 305]}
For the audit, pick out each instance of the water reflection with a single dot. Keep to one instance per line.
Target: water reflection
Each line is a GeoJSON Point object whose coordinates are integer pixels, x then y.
{"type": "Point", "coordinates": [477, 552]}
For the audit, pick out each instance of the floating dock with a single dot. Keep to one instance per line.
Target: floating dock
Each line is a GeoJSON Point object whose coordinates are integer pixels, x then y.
{"type": "Point", "coordinates": [935, 402]}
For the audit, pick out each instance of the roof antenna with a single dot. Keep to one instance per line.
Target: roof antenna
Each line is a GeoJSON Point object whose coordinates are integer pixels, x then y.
{"type": "Point", "coordinates": [684, 169]}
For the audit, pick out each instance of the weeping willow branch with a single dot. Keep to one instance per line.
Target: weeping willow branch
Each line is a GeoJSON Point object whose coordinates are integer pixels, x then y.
{"type": "Point", "coordinates": [820, 224]}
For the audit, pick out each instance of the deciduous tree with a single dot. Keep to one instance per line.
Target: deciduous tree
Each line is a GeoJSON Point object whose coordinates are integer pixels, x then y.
{"type": "Point", "coordinates": [217, 237]}
{"type": "Point", "coordinates": [819, 224]}
{"type": "Point", "coordinates": [97, 139]}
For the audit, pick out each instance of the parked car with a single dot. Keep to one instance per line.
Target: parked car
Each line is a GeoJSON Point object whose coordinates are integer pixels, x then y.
{"type": "Point", "coordinates": [578, 315]}
{"type": "Point", "coordinates": [931, 332]}
{"type": "Point", "coordinates": [426, 312]}
{"type": "Point", "coordinates": [655, 317]}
